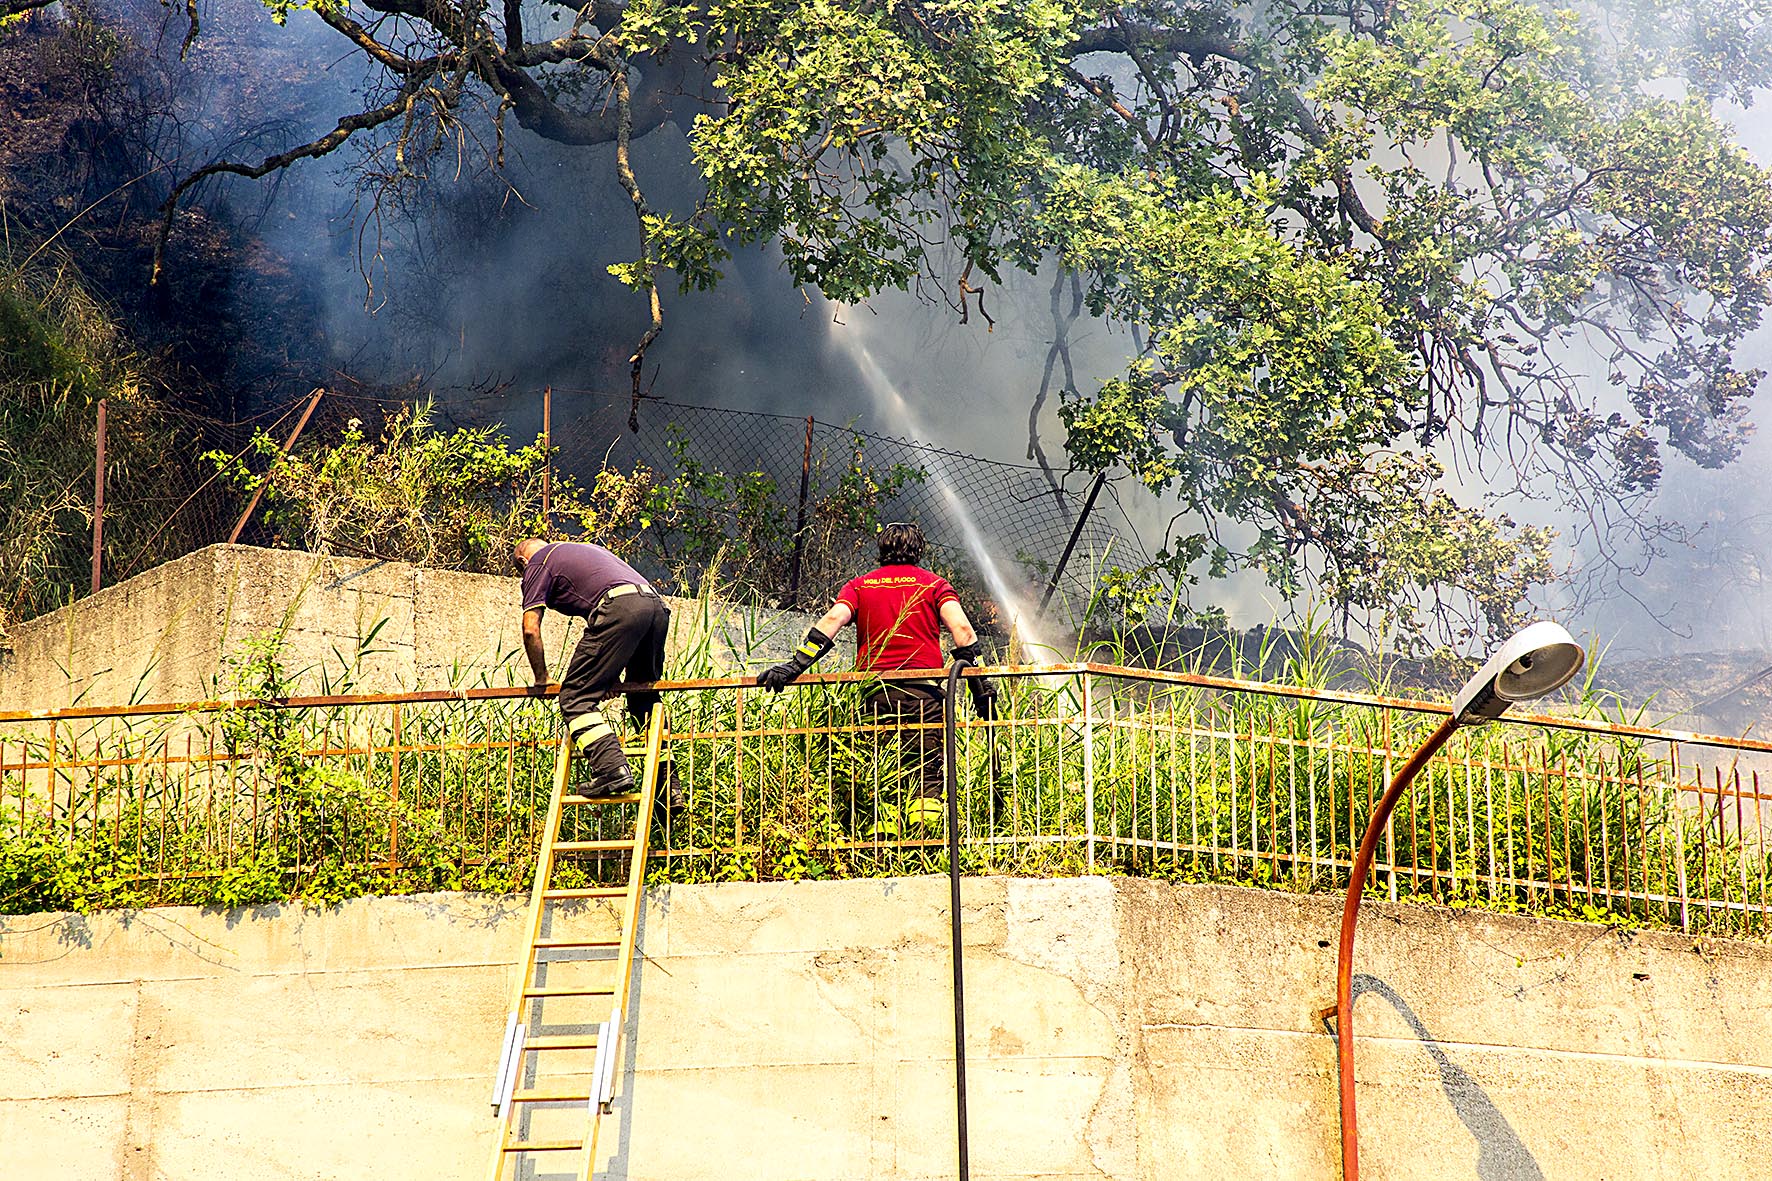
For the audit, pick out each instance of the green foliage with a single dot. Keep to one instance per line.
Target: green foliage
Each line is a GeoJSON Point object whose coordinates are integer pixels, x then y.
{"type": "Point", "coordinates": [463, 499]}
{"type": "Point", "coordinates": [848, 128]}
{"type": "Point", "coordinates": [41, 870]}
{"type": "Point", "coordinates": [460, 500]}
{"type": "Point", "coordinates": [1137, 776]}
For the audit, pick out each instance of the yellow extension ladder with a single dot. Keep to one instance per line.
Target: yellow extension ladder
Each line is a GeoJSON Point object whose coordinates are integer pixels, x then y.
{"type": "Point", "coordinates": [556, 1072]}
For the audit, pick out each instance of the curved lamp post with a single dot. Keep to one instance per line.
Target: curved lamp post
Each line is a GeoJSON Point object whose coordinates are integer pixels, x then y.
{"type": "Point", "coordinates": [1539, 659]}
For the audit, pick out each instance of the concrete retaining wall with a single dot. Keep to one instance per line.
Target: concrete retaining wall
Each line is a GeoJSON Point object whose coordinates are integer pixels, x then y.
{"type": "Point", "coordinates": [1118, 1029]}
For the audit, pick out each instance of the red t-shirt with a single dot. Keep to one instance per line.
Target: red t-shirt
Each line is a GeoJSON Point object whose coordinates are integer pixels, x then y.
{"type": "Point", "coordinates": [897, 617]}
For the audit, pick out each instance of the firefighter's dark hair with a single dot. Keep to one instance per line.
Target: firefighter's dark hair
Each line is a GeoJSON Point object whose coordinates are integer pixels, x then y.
{"type": "Point", "coordinates": [901, 544]}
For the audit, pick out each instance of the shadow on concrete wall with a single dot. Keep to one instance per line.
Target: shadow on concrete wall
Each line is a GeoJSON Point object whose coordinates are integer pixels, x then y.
{"type": "Point", "coordinates": [1501, 1156]}
{"type": "Point", "coordinates": [622, 1109]}
{"type": "Point", "coordinates": [621, 1117]}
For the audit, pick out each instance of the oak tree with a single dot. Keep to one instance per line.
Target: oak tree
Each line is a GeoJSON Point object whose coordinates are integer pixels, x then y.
{"type": "Point", "coordinates": [1354, 240]}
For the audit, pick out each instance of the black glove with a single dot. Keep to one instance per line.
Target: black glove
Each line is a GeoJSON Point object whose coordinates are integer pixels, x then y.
{"type": "Point", "coordinates": [984, 697]}
{"type": "Point", "coordinates": [984, 693]}
{"type": "Point", "coordinates": [778, 677]}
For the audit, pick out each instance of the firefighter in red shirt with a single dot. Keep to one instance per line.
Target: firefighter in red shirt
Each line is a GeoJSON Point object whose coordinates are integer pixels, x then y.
{"type": "Point", "coordinates": [899, 611]}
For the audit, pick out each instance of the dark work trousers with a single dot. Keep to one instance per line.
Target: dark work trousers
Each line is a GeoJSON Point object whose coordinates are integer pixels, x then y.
{"type": "Point", "coordinates": [905, 703]}
{"type": "Point", "coordinates": [625, 634]}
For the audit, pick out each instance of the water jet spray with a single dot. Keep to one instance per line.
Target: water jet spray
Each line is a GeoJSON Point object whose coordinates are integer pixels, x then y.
{"type": "Point", "coordinates": [889, 401]}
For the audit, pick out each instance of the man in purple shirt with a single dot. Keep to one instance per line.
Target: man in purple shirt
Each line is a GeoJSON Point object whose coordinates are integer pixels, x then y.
{"type": "Point", "coordinates": [625, 624]}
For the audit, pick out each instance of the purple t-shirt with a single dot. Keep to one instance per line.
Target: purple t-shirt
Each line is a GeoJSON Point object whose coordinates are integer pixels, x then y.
{"type": "Point", "coordinates": [571, 576]}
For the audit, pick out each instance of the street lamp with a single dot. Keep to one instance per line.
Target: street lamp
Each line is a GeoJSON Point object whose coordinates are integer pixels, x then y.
{"type": "Point", "coordinates": [1539, 659]}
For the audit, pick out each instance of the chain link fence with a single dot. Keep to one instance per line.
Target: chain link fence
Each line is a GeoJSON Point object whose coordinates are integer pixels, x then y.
{"type": "Point", "coordinates": [61, 533]}
{"type": "Point", "coordinates": [165, 500]}
{"type": "Point", "coordinates": [775, 504]}
{"type": "Point", "coordinates": [821, 488]}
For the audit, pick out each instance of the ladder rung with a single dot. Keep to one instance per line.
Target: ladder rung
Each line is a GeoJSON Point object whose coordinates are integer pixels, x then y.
{"type": "Point", "coordinates": [547, 1095]}
{"type": "Point", "coordinates": [543, 1146]}
{"type": "Point", "coordinates": [587, 892]}
{"type": "Point", "coordinates": [582, 1041]}
{"type": "Point", "coordinates": [624, 799]}
{"type": "Point", "coordinates": [578, 943]}
{"type": "Point", "coordinates": [529, 993]}
{"type": "Point", "coordinates": [591, 847]}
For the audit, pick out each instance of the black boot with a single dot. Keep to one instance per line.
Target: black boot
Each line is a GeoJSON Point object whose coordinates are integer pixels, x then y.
{"type": "Point", "coordinates": [610, 775]}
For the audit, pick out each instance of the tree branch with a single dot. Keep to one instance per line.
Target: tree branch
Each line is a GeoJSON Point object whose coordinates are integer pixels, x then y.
{"type": "Point", "coordinates": [360, 37]}
{"type": "Point", "coordinates": [347, 126]}
{"type": "Point", "coordinates": [538, 112]}
{"type": "Point", "coordinates": [1107, 99]}
{"type": "Point", "coordinates": [1060, 351]}
{"type": "Point", "coordinates": [1189, 43]}
{"type": "Point", "coordinates": [624, 170]}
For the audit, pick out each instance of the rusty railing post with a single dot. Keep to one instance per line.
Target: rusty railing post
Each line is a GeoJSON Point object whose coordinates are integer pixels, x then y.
{"type": "Point", "coordinates": [1076, 532]}
{"type": "Point", "coordinates": [98, 498]}
{"type": "Point", "coordinates": [1089, 769]}
{"type": "Point", "coordinates": [394, 790]}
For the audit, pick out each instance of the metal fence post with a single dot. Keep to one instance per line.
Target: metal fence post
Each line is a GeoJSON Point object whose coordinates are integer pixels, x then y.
{"type": "Point", "coordinates": [54, 750]}
{"type": "Point", "coordinates": [738, 770]}
{"type": "Point", "coordinates": [1679, 827]}
{"type": "Point", "coordinates": [239, 525]}
{"type": "Point", "coordinates": [800, 519]}
{"type": "Point", "coordinates": [1070, 545]}
{"type": "Point", "coordinates": [98, 499]}
{"type": "Point", "coordinates": [547, 452]}
{"type": "Point", "coordinates": [394, 790]}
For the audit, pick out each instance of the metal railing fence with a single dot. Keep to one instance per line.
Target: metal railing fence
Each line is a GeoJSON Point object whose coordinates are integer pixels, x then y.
{"type": "Point", "coordinates": [1086, 768]}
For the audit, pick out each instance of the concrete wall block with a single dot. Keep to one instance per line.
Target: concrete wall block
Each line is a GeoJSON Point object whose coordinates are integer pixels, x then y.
{"type": "Point", "coordinates": [866, 912]}
{"type": "Point", "coordinates": [766, 1123]}
{"type": "Point", "coordinates": [66, 1138]}
{"type": "Point", "coordinates": [1432, 1109]}
{"type": "Point", "coordinates": [165, 635]}
{"type": "Point", "coordinates": [1026, 1119]}
{"type": "Point", "coordinates": [1216, 1102]}
{"type": "Point", "coordinates": [762, 1009]}
{"type": "Point", "coordinates": [1013, 1010]}
{"type": "Point", "coordinates": [62, 1043]}
{"type": "Point", "coordinates": [473, 930]}
{"type": "Point", "coordinates": [99, 650]}
{"type": "Point", "coordinates": [437, 1131]}
{"type": "Point", "coordinates": [331, 1029]}
{"type": "Point", "coordinates": [420, 929]}
{"type": "Point", "coordinates": [1055, 923]}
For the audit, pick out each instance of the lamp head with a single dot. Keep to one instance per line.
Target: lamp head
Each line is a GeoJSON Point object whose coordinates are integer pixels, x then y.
{"type": "Point", "coordinates": [1538, 659]}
